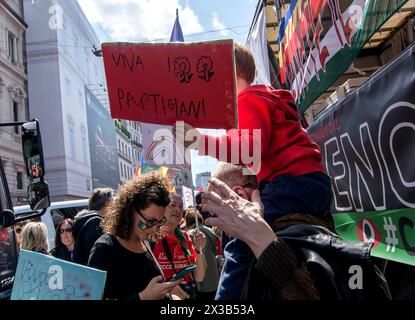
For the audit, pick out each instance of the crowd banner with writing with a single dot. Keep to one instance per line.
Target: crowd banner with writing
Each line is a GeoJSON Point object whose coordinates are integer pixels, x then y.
{"type": "Point", "coordinates": [319, 39]}
{"type": "Point", "coordinates": [187, 197]}
{"type": "Point", "coordinates": [43, 277]}
{"type": "Point", "coordinates": [166, 82]}
{"type": "Point", "coordinates": [102, 144]}
{"type": "Point", "coordinates": [368, 146]}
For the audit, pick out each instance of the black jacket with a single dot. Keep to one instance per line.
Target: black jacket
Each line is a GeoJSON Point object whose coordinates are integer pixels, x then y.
{"type": "Point", "coordinates": [61, 252]}
{"type": "Point", "coordinates": [86, 230]}
{"type": "Point", "coordinates": [328, 259]}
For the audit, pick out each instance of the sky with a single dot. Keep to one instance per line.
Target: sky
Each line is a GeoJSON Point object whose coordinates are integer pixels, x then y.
{"type": "Point", "coordinates": [153, 20]}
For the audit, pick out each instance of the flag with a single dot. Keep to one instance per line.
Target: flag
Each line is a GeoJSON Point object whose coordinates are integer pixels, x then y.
{"type": "Point", "coordinates": [140, 166]}
{"type": "Point", "coordinates": [318, 41]}
{"type": "Point", "coordinates": [177, 34]}
{"type": "Point", "coordinates": [164, 171]}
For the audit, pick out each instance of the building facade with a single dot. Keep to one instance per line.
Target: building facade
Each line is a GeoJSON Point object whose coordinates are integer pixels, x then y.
{"type": "Point", "coordinates": [136, 142]}
{"type": "Point", "coordinates": [63, 74]}
{"type": "Point", "coordinates": [13, 95]}
{"type": "Point", "coordinates": [125, 157]}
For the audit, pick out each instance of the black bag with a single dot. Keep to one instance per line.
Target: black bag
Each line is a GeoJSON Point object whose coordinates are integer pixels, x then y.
{"type": "Point", "coordinates": [341, 270]}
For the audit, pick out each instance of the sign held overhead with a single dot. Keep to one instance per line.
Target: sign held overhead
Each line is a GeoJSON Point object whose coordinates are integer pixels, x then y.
{"type": "Point", "coordinates": [167, 82]}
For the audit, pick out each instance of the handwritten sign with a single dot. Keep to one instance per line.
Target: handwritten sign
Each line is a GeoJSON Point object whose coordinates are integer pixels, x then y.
{"type": "Point", "coordinates": [187, 197]}
{"type": "Point", "coordinates": [42, 277]}
{"type": "Point", "coordinates": [166, 82]}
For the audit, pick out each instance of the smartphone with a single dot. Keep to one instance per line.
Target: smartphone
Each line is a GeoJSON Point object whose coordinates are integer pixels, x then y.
{"type": "Point", "coordinates": [207, 215]}
{"type": "Point", "coordinates": [182, 273]}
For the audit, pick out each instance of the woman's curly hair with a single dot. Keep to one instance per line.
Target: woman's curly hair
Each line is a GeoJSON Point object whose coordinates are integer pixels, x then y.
{"type": "Point", "coordinates": [137, 194]}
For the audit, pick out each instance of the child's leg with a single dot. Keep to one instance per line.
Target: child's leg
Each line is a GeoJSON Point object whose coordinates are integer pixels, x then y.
{"type": "Point", "coordinates": [232, 279]}
{"type": "Point", "coordinates": [310, 194]}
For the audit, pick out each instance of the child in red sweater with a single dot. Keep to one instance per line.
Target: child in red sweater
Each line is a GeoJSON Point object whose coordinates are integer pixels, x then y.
{"type": "Point", "coordinates": [291, 176]}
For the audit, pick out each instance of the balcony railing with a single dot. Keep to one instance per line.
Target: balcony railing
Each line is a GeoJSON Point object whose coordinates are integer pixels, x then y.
{"type": "Point", "coordinates": [123, 129]}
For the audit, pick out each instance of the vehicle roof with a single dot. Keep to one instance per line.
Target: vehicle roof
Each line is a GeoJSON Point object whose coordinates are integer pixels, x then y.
{"type": "Point", "coordinates": [56, 205]}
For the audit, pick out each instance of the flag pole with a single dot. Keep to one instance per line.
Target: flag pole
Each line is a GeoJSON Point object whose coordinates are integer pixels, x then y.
{"type": "Point", "coordinates": [196, 212]}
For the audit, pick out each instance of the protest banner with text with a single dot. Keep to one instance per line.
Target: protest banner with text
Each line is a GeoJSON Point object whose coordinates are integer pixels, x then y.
{"type": "Point", "coordinates": [367, 142]}
{"type": "Point", "coordinates": [167, 82]}
{"type": "Point", "coordinates": [43, 277]}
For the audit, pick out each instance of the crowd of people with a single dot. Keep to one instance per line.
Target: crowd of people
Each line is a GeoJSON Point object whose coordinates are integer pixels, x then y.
{"type": "Point", "coordinates": [239, 236]}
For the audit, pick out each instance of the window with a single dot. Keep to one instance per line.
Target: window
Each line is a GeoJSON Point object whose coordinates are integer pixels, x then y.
{"type": "Point", "coordinates": [19, 181]}
{"type": "Point", "coordinates": [12, 47]}
{"type": "Point", "coordinates": [16, 116]}
{"type": "Point", "coordinates": [68, 87]}
{"type": "Point", "coordinates": [71, 128]}
{"type": "Point", "coordinates": [121, 170]}
{"type": "Point", "coordinates": [84, 144]}
{"type": "Point", "coordinates": [80, 98]}
{"type": "Point", "coordinates": [119, 145]}
{"type": "Point", "coordinates": [72, 142]}
{"type": "Point", "coordinates": [88, 185]}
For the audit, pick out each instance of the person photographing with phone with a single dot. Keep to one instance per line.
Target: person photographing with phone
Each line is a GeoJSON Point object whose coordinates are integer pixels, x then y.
{"type": "Point", "coordinates": [135, 215]}
{"type": "Point", "coordinates": [177, 251]}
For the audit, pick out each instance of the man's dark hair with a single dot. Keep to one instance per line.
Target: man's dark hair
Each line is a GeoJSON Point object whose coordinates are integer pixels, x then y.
{"type": "Point", "coordinates": [100, 198]}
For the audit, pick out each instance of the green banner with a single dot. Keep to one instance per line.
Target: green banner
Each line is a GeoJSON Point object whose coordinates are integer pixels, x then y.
{"type": "Point", "coordinates": [391, 231]}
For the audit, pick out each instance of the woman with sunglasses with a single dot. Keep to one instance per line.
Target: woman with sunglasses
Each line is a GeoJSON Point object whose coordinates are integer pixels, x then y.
{"type": "Point", "coordinates": [134, 216]}
{"type": "Point", "coordinates": [64, 241]}
{"type": "Point", "coordinates": [176, 250]}
{"type": "Point", "coordinates": [18, 227]}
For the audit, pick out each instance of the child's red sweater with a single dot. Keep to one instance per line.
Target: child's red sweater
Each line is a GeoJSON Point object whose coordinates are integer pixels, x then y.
{"type": "Point", "coordinates": [285, 146]}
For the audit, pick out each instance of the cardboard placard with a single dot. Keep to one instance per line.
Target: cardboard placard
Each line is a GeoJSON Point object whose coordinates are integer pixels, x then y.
{"type": "Point", "coordinates": [167, 82]}
{"type": "Point", "coordinates": [43, 277]}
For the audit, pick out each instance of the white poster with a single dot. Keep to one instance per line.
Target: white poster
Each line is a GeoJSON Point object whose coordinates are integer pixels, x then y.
{"type": "Point", "coordinates": [257, 43]}
{"type": "Point", "coordinates": [187, 197]}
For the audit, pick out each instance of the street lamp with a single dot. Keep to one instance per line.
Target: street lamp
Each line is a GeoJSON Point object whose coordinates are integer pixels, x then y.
{"type": "Point", "coordinates": [97, 52]}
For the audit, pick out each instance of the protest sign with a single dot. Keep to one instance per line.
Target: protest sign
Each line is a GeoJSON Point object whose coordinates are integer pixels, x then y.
{"type": "Point", "coordinates": [42, 277]}
{"type": "Point", "coordinates": [367, 142]}
{"type": "Point", "coordinates": [167, 82]}
{"type": "Point", "coordinates": [187, 197]}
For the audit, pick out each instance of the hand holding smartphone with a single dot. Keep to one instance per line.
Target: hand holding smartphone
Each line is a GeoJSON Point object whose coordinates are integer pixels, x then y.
{"type": "Point", "coordinates": [181, 273]}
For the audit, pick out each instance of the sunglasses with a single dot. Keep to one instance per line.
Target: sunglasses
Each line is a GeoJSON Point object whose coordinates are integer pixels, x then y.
{"type": "Point", "coordinates": [62, 231]}
{"type": "Point", "coordinates": [18, 230]}
{"type": "Point", "coordinates": [150, 222]}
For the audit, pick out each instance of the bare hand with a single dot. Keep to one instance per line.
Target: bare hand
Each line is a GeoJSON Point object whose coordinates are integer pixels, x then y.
{"type": "Point", "coordinates": [199, 240]}
{"type": "Point", "coordinates": [238, 217]}
{"type": "Point", "coordinates": [180, 293]}
{"type": "Point", "coordinates": [157, 288]}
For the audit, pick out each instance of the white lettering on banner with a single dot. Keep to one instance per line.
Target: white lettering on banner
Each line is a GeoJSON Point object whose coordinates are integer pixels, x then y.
{"type": "Point", "coordinates": [404, 124]}
{"type": "Point", "coordinates": [391, 240]}
{"type": "Point", "coordinates": [365, 167]}
{"type": "Point", "coordinates": [359, 175]}
{"type": "Point", "coordinates": [337, 193]}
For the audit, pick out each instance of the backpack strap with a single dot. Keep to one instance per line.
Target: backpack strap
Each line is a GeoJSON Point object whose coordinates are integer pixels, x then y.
{"type": "Point", "coordinates": [168, 253]}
